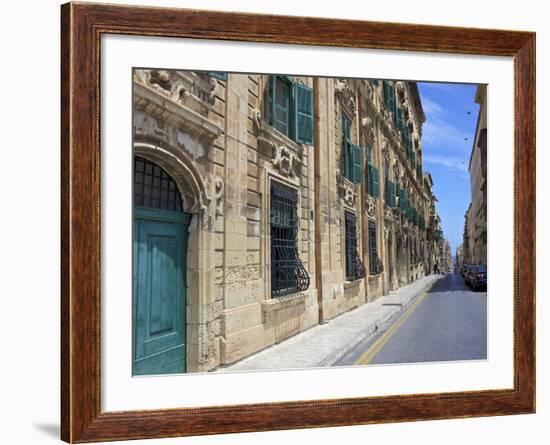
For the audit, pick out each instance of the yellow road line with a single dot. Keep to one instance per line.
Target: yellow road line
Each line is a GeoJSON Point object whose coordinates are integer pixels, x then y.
{"type": "Point", "coordinates": [368, 355]}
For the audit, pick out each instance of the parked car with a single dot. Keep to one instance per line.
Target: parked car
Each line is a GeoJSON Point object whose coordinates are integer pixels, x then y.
{"type": "Point", "coordinates": [476, 277]}
{"type": "Point", "coordinates": [464, 271]}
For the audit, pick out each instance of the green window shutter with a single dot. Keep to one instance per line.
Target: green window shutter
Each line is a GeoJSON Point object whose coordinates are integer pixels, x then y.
{"type": "Point", "coordinates": [356, 174]}
{"type": "Point", "coordinates": [220, 75]}
{"type": "Point", "coordinates": [303, 113]}
{"type": "Point", "coordinates": [375, 178]}
{"type": "Point", "coordinates": [370, 181]}
{"type": "Point", "coordinates": [386, 94]}
{"type": "Point", "coordinates": [390, 194]}
{"type": "Point", "coordinates": [345, 147]}
{"type": "Point", "coordinates": [400, 195]}
{"type": "Point", "coordinates": [345, 160]}
{"type": "Point", "coordinates": [280, 109]}
{"type": "Point", "coordinates": [272, 98]}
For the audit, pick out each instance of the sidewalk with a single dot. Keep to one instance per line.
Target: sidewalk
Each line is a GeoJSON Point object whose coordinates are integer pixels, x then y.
{"type": "Point", "coordinates": [325, 344]}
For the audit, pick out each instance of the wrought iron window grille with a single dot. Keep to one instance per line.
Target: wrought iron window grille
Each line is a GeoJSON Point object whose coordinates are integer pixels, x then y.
{"type": "Point", "coordinates": [288, 275]}
{"type": "Point", "coordinates": [154, 188]}
{"type": "Point", "coordinates": [354, 266]}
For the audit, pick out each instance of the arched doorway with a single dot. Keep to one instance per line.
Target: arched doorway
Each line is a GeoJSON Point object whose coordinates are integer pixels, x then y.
{"type": "Point", "coordinates": [160, 236]}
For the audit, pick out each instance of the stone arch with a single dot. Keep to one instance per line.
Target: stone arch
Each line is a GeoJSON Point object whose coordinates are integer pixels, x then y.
{"type": "Point", "coordinates": [194, 189]}
{"type": "Point", "coordinates": [182, 169]}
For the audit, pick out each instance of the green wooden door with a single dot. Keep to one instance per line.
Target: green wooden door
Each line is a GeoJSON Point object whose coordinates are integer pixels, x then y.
{"type": "Point", "coordinates": [159, 287]}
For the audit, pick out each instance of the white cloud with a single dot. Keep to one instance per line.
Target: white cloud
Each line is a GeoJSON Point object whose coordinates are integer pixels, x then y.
{"type": "Point", "coordinates": [430, 107]}
{"type": "Point", "coordinates": [459, 165]}
{"type": "Point", "coordinates": [439, 131]}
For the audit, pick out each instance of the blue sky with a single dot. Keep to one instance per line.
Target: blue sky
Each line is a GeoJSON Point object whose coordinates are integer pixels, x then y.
{"type": "Point", "coordinates": [447, 138]}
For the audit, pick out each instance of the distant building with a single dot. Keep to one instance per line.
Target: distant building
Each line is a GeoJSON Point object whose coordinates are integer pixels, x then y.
{"type": "Point", "coordinates": [477, 212]}
{"type": "Point", "coordinates": [445, 256]}
{"type": "Point", "coordinates": [459, 259]}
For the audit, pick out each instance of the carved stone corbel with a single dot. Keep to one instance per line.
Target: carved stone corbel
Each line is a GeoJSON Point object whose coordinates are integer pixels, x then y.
{"type": "Point", "coordinates": [213, 83]}
{"type": "Point", "coordinates": [256, 119]}
{"type": "Point", "coordinates": [219, 189]}
{"type": "Point", "coordinates": [345, 94]}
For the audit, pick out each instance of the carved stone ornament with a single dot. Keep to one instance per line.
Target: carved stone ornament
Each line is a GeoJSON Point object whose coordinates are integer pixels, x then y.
{"type": "Point", "coordinates": [346, 95]}
{"type": "Point", "coordinates": [218, 194]}
{"type": "Point", "coordinates": [187, 88]}
{"type": "Point", "coordinates": [368, 127]}
{"type": "Point", "coordinates": [284, 160]}
{"type": "Point", "coordinates": [285, 157]}
{"type": "Point", "coordinates": [257, 119]}
{"type": "Point", "coordinates": [397, 171]}
{"type": "Point", "coordinates": [348, 192]}
{"type": "Point", "coordinates": [369, 87]}
{"type": "Point", "coordinates": [386, 152]}
{"type": "Point", "coordinates": [173, 106]}
{"type": "Point", "coordinates": [161, 79]}
{"type": "Point", "coordinates": [400, 87]}
{"type": "Point", "coordinates": [371, 206]}
{"type": "Point", "coordinates": [192, 204]}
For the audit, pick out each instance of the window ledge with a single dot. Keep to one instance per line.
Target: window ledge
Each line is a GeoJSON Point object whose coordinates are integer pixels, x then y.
{"type": "Point", "coordinates": [354, 283]}
{"type": "Point", "coordinates": [278, 303]}
{"type": "Point", "coordinates": [277, 136]}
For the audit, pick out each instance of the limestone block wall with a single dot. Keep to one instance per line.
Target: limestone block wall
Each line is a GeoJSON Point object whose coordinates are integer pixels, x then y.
{"type": "Point", "coordinates": [251, 319]}
{"type": "Point", "coordinates": [338, 295]}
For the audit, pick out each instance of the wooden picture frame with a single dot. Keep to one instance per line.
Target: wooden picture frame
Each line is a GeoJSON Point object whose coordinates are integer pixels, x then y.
{"type": "Point", "coordinates": [82, 26]}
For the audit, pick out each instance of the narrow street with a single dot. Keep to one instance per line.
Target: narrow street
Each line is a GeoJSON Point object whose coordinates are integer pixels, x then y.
{"type": "Point", "coordinates": [449, 322]}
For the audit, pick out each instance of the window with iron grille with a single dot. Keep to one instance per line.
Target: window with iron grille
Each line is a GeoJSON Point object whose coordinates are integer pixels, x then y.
{"type": "Point", "coordinates": [374, 266]}
{"type": "Point", "coordinates": [354, 265]}
{"type": "Point", "coordinates": [288, 274]}
{"type": "Point", "coordinates": [154, 188]}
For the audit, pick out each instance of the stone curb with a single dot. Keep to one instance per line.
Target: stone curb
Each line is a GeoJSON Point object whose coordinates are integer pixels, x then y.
{"type": "Point", "coordinates": [373, 327]}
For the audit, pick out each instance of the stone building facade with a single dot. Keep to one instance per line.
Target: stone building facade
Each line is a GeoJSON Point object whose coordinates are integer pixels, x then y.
{"type": "Point", "coordinates": [475, 227]}
{"type": "Point", "coordinates": [301, 198]}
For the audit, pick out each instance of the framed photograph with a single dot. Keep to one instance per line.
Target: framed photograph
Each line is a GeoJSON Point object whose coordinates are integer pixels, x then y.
{"type": "Point", "coordinates": [275, 222]}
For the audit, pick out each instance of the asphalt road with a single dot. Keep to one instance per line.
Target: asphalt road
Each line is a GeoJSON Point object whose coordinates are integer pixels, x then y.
{"type": "Point", "coordinates": [448, 323]}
